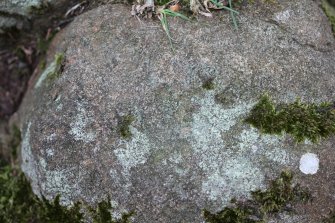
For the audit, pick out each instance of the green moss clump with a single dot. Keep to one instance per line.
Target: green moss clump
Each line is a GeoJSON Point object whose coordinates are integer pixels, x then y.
{"type": "Point", "coordinates": [279, 194]}
{"type": "Point", "coordinates": [57, 69]}
{"type": "Point", "coordinates": [208, 84]}
{"type": "Point", "coordinates": [124, 124]}
{"type": "Point", "coordinates": [330, 12]}
{"type": "Point", "coordinates": [230, 215]}
{"type": "Point", "coordinates": [302, 121]}
{"type": "Point", "coordinates": [53, 212]}
{"type": "Point", "coordinates": [277, 198]}
{"type": "Point", "coordinates": [102, 214]}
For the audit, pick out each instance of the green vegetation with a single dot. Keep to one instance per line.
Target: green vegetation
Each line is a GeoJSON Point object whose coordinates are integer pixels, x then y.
{"type": "Point", "coordinates": [14, 142]}
{"type": "Point", "coordinates": [302, 121]}
{"type": "Point", "coordinates": [330, 12]}
{"type": "Point", "coordinates": [42, 44]}
{"type": "Point", "coordinates": [238, 214]}
{"type": "Point", "coordinates": [55, 72]}
{"type": "Point", "coordinates": [102, 214]}
{"type": "Point", "coordinates": [232, 15]}
{"type": "Point", "coordinates": [280, 194]}
{"type": "Point", "coordinates": [19, 204]}
{"type": "Point", "coordinates": [124, 124]}
{"type": "Point", "coordinates": [162, 15]}
{"type": "Point", "coordinates": [208, 84]}
{"type": "Point", "coordinates": [40, 9]}
{"type": "Point", "coordinates": [164, 12]}
{"type": "Point", "coordinates": [278, 197]}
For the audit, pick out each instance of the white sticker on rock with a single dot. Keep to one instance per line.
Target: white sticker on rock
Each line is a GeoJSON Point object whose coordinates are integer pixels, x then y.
{"type": "Point", "coordinates": [309, 163]}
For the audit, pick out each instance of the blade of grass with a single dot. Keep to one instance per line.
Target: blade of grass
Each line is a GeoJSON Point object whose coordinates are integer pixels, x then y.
{"type": "Point", "coordinates": [233, 16]}
{"type": "Point", "coordinates": [165, 26]}
{"type": "Point", "coordinates": [175, 14]}
{"type": "Point", "coordinates": [220, 6]}
{"type": "Point", "coordinates": [163, 18]}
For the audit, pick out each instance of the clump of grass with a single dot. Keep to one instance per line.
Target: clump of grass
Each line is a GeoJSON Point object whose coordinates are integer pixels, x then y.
{"type": "Point", "coordinates": [277, 198]}
{"type": "Point", "coordinates": [232, 12]}
{"type": "Point", "coordinates": [124, 124]}
{"type": "Point", "coordinates": [208, 84]}
{"type": "Point", "coordinates": [301, 120]}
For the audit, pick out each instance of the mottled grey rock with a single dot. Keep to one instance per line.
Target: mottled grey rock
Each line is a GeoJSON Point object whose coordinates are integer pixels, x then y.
{"type": "Point", "coordinates": [190, 149]}
{"type": "Point", "coordinates": [24, 7]}
{"type": "Point", "coordinates": [8, 22]}
{"type": "Point", "coordinates": [15, 13]}
{"type": "Point", "coordinates": [305, 24]}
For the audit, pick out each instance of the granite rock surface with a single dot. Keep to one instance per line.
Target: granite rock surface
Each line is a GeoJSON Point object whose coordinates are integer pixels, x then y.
{"type": "Point", "coordinates": [189, 148]}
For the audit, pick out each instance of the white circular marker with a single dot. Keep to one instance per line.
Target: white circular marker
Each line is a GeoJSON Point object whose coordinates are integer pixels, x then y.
{"type": "Point", "coordinates": [309, 163]}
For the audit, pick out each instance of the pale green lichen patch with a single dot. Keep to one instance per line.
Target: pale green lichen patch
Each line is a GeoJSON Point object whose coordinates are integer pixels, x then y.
{"type": "Point", "coordinates": [237, 175]}
{"type": "Point", "coordinates": [55, 181]}
{"type": "Point", "coordinates": [58, 182]}
{"type": "Point", "coordinates": [271, 147]}
{"type": "Point", "coordinates": [29, 165]}
{"type": "Point", "coordinates": [130, 154]}
{"type": "Point", "coordinates": [232, 156]}
{"type": "Point", "coordinates": [52, 71]}
{"type": "Point", "coordinates": [79, 125]}
{"type": "Point", "coordinates": [134, 151]}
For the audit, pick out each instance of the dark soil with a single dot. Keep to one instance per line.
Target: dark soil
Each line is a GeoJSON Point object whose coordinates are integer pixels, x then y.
{"type": "Point", "coordinates": [15, 71]}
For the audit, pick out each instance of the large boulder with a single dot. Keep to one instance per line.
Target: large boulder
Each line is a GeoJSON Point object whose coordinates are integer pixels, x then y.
{"type": "Point", "coordinates": [118, 113]}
